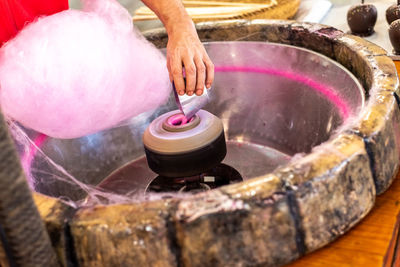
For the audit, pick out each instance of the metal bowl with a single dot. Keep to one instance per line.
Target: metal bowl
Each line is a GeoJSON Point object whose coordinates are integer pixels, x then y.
{"type": "Point", "coordinates": [274, 100]}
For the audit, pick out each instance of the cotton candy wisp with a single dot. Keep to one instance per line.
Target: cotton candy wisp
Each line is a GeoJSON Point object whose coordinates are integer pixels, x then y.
{"type": "Point", "coordinates": [81, 71]}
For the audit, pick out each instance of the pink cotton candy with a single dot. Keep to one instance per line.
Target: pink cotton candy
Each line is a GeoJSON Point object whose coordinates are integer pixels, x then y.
{"type": "Point", "coordinates": [78, 72]}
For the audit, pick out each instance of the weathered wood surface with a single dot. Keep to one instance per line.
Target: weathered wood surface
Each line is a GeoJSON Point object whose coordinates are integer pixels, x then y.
{"type": "Point", "coordinates": [125, 235]}
{"type": "Point", "coordinates": [56, 216]}
{"type": "Point", "coordinates": [368, 243]}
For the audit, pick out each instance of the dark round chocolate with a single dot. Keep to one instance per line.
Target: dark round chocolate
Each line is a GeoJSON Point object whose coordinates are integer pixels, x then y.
{"type": "Point", "coordinates": [392, 13]}
{"type": "Point", "coordinates": [394, 35]}
{"type": "Point", "coordinates": [362, 19]}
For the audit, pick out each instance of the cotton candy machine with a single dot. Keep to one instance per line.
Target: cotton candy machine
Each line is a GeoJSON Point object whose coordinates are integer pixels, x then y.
{"type": "Point", "coordinates": [311, 125]}
{"type": "Point", "coordinates": [273, 101]}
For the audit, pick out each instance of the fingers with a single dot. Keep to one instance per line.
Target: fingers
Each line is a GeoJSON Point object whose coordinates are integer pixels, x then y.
{"type": "Point", "coordinates": [171, 78]}
{"type": "Point", "coordinates": [201, 75]}
{"type": "Point", "coordinates": [176, 72]}
{"type": "Point", "coordinates": [209, 71]}
{"type": "Point", "coordinates": [199, 72]}
{"type": "Point", "coordinates": [190, 71]}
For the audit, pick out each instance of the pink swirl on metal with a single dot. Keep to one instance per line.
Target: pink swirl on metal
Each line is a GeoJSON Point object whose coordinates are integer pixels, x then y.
{"type": "Point", "coordinates": [326, 91]}
{"type": "Point", "coordinates": [178, 119]}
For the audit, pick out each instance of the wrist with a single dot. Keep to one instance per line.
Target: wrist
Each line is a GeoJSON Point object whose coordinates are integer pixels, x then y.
{"type": "Point", "coordinates": [181, 23]}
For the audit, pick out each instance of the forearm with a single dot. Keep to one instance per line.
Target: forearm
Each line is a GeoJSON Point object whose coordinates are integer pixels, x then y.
{"type": "Point", "coordinates": [184, 48]}
{"type": "Point", "coordinates": [171, 13]}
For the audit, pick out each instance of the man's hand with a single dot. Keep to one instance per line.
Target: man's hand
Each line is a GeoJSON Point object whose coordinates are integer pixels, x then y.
{"type": "Point", "coordinates": [185, 53]}
{"type": "Point", "coordinates": [185, 50]}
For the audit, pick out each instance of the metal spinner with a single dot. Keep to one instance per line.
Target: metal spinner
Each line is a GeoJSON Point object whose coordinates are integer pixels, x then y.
{"type": "Point", "coordinates": [187, 154]}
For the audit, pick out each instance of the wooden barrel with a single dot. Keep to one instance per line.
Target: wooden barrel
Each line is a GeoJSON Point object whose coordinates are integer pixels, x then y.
{"type": "Point", "coordinates": [267, 221]}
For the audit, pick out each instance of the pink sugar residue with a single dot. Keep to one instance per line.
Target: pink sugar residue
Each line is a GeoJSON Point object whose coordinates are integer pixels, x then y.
{"type": "Point", "coordinates": [28, 157]}
{"type": "Point", "coordinates": [324, 90]}
{"type": "Point", "coordinates": [178, 119]}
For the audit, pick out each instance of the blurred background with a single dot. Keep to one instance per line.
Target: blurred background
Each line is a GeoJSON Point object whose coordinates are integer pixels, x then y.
{"type": "Point", "coordinates": [321, 8]}
{"type": "Point", "coordinates": [131, 6]}
{"type": "Point", "coordinates": [328, 12]}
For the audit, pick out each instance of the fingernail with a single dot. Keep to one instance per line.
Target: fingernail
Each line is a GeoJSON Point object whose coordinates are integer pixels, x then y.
{"type": "Point", "coordinates": [190, 93]}
{"type": "Point", "coordinates": [208, 86]}
{"type": "Point", "coordinates": [199, 92]}
{"type": "Point", "coordinates": [181, 92]}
